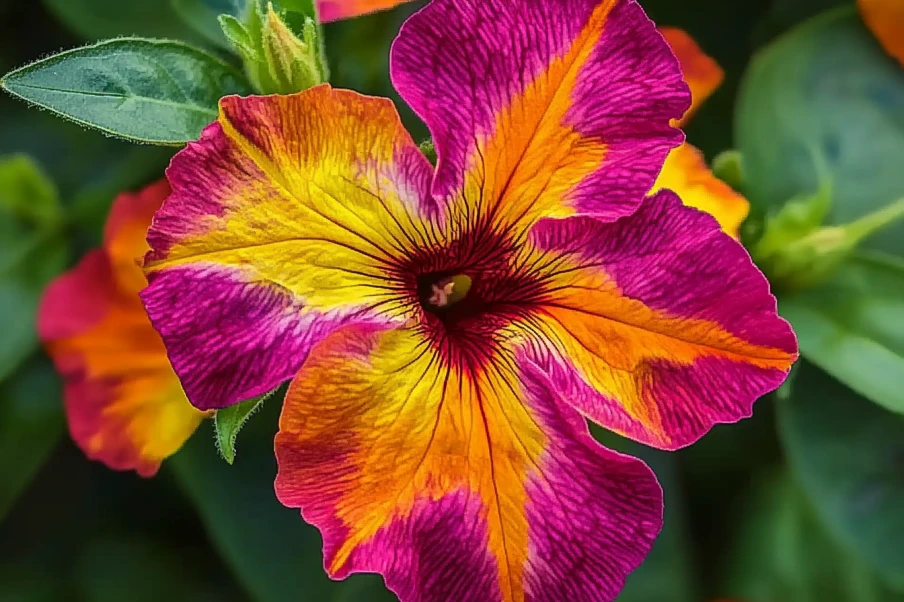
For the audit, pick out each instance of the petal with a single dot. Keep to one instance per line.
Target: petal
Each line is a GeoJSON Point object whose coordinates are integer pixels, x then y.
{"type": "Point", "coordinates": [702, 74]}
{"type": "Point", "coordinates": [885, 18]}
{"type": "Point", "coordinates": [282, 224]}
{"type": "Point", "coordinates": [473, 487]}
{"type": "Point", "coordinates": [334, 10]}
{"type": "Point", "coordinates": [124, 404]}
{"type": "Point", "coordinates": [540, 112]}
{"type": "Point", "coordinates": [659, 324]}
{"type": "Point", "coordinates": [686, 172]}
{"type": "Point", "coordinates": [126, 230]}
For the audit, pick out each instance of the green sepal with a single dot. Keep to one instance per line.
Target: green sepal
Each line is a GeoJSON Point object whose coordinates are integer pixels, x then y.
{"type": "Point", "coordinates": [229, 421]}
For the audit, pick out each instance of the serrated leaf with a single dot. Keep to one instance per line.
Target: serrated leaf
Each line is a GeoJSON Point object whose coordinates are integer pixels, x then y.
{"type": "Point", "coordinates": [229, 421]}
{"type": "Point", "coordinates": [847, 454]}
{"type": "Point", "coordinates": [152, 91]}
{"type": "Point", "coordinates": [853, 326]}
{"type": "Point", "coordinates": [825, 94]}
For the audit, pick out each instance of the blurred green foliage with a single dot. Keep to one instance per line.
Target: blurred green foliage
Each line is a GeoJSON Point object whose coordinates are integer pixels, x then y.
{"type": "Point", "coordinates": [804, 502]}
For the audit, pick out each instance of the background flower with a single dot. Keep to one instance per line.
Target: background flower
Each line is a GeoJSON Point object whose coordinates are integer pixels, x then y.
{"type": "Point", "coordinates": [124, 404]}
{"type": "Point", "coordinates": [333, 10]}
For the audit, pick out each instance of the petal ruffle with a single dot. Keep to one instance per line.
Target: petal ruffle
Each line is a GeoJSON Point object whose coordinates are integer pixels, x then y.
{"type": "Point", "coordinates": [660, 325]}
{"type": "Point", "coordinates": [282, 224]}
{"type": "Point", "coordinates": [124, 404]}
{"type": "Point", "coordinates": [702, 74]}
{"type": "Point", "coordinates": [334, 10]}
{"type": "Point", "coordinates": [538, 112]}
{"type": "Point", "coordinates": [686, 172]}
{"type": "Point", "coordinates": [885, 18]}
{"type": "Point", "coordinates": [465, 486]}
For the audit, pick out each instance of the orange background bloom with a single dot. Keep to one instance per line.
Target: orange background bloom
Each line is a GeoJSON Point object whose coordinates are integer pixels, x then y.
{"type": "Point", "coordinates": [124, 404]}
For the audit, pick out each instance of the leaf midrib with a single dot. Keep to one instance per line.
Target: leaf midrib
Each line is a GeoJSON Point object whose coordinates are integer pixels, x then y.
{"type": "Point", "coordinates": [168, 103]}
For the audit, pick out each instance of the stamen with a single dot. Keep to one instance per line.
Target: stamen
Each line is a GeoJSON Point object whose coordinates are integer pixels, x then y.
{"type": "Point", "coordinates": [449, 291]}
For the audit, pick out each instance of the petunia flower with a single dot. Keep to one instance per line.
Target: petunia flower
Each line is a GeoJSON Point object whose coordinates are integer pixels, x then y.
{"type": "Point", "coordinates": [334, 10]}
{"type": "Point", "coordinates": [885, 18]}
{"type": "Point", "coordinates": [124, 404]}
{"type": "Point", "coordinates": [447, 331]}
{"type": "Point", "coordinates": [685, 170]}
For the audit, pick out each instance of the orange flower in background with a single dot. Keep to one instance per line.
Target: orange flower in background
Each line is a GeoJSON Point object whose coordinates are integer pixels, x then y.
{"type": "Point", "coordinates": [124, 405]}
{"type": "Point", "coordinates": [685, 170]}
{"type": "Point", "coordinates": [334, 10]}
{"type": "Point", "coordinates": [885, 18]}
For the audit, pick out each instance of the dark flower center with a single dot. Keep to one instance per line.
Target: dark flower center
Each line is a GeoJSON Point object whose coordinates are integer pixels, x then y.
{"type": "Point", "coordinates": [469, 291]}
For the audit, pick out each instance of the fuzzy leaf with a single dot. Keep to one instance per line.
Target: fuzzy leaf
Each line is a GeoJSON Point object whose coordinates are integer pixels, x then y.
{"type": "Point", "coordinates": [151, 91]}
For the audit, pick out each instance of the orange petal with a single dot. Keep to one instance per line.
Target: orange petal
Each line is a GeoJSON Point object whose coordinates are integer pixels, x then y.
{"type": "Point", "coordinates": [886, 20]}
{"type": "Point", "coordinates": [686, 172]}
{"type": "Point", "coordinates": [702, 74]}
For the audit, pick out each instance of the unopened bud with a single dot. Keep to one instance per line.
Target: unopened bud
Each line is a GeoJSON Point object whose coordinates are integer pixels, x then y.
{"type": "Point", "coordinates": [293, 63]}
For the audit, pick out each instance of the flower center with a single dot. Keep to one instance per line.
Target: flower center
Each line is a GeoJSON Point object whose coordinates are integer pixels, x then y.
{"type": "Point", "coordinates": [469, 291]}
{"type": "Point", "coordinates": [438, 293]}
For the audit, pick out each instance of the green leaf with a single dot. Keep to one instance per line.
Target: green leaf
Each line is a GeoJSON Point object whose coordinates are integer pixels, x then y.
{"type": "Point", "coordinates": [782, 552]}
{"type": "Point", "coordinates": [31, 423]}
{"type": "Point", "coordinates": [98, 19]}
{"type": "Point", "coordinates": [847, 454]}
{"type": "Point", "coordinates": [32, 251]}
{"type": "Point", "coordinates": [229, 421]}
{"type": "Point", "coordinates": [825, 92]}
{"type": "Point", "coordinates": [853, 326]}
{"type": "Point", "coordinates": [273, 553]}
{"type": "Point", "coordinates": [152, 91]}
